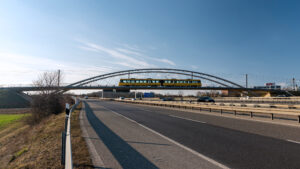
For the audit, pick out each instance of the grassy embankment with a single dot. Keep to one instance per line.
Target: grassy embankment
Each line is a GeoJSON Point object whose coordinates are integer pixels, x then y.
{"type": "Point", "coordinates": [39, 146]}
{"type": "Point", "coordinates": [12, 99]}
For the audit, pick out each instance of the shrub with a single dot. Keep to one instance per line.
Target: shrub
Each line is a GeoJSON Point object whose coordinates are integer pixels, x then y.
{"type": "Point", "coordinates": [45, 105]}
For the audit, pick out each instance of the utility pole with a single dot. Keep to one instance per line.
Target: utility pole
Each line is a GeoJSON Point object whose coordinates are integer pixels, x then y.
{"type": "Point", "coordinates": [294, 84]}
{"type": "Point", "coordinates": [58, 78]}
{"type": "Point", "coordinates": [246, 80]}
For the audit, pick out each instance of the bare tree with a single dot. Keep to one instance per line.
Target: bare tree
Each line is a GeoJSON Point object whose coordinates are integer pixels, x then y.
{"type": "Point", "coordinates": [47, 101]}
{"type": "Point", "coordinates": [48, 81]}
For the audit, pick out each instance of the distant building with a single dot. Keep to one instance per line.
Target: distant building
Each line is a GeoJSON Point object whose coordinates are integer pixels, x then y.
{"type": "Point", "coordinates": [148, 94]}
{"type": "Point", "coordinates": [269, 86]}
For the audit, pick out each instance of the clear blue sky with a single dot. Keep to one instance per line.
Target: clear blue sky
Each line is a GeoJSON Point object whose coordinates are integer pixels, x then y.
{"type": "Point", "coordinates": [227, 38]}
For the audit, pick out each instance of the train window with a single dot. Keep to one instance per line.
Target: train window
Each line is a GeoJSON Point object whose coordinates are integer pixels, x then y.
{"type": "Point", "coordinates": [132, 81]}
{"type": "Point", "coordinates": [157, 81]}
{"type": "Point", "coordinates": [145, 81]}
{"type": "Point", "coordinates": [138, 81]}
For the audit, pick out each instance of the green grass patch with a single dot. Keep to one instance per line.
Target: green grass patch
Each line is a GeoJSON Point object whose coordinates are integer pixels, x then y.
{"type": "Point", "coordinates": [6, 119]}
{"type": "Point", "coordinates": [18, 154]}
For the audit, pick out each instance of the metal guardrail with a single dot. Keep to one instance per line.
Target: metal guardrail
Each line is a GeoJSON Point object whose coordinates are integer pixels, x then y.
{"type": "Point", "coordinates": [221, 109]}
{"type": "Point", "coordinates": [66, 152]}
{"type": "Point", "coordinates": [243, 104]}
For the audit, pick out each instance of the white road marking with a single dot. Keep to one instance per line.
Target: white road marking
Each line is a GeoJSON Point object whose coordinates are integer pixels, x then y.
{"type": "Point", "coordinates": [292, 141]}
{"type": "Point", "coordinates": [187, 119]}
{"type": "Point", "coordinates": [174, 142]}
{"type": "Point", "coordinates": [145, 110]}
{"type": "Point", "coordinates": [231, 117]}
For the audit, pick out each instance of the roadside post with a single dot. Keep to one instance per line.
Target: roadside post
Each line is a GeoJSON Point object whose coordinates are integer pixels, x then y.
{"type": "Point", "coordinates": [67, 109]}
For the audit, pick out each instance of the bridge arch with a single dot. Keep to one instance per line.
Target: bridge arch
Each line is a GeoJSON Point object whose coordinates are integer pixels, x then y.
{"type": "Point", "coordinates": [212, 78]}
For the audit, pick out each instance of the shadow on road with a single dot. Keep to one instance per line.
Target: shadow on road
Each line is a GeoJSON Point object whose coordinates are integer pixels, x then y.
{"type": "Point", "coordinates": [127, 156]}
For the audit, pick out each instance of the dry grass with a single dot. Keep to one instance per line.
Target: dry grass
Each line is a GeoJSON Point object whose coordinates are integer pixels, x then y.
{"type": "Point", "coordinates": [15, 111]}
{"type": "Point", "coordinates": [39, 146]}
{"type": "Point", "coordinates": [42, 143]}
{"type": "Point", "coordinates": [80, 154]}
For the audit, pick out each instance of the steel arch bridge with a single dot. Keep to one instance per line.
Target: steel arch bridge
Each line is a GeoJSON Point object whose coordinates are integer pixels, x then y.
{"type": "Point", "coordinates": [224, 84]}
{"type": "Point", "coordinates": [218, 80]}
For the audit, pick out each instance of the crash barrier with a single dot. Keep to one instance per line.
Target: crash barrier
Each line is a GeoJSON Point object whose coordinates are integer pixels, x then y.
{"type": "Point", "coordinates": [271, 112]}
{"type": "Point", "coordinates": [66, 148]}
{"type": "Point", "coordinates": [262, 105]}
{"type": "Point", "coordinates": [274, 100]}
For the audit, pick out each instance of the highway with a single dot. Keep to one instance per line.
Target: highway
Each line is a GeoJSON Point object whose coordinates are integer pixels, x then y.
{"type": "Point", "coordinates": [136, 136]}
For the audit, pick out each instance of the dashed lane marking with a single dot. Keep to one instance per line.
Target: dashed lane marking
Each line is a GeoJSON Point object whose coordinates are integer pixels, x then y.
{"type": "Point", "coordinates": [174, 142]}
{"type": "Point", "coordinates": [187, 119]}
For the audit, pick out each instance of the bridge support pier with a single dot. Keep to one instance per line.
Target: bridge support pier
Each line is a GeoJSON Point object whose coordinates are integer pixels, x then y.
{"type": "Point", "coordinates": [115, 93]}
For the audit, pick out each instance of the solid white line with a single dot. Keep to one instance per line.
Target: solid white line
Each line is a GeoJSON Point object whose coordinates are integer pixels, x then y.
{"type": "Point", "coordinates": [174, 142]}
{"type": "Point", "coordinates": [187, 119]}
{"type": "Point", "coordinates": [292, 141]}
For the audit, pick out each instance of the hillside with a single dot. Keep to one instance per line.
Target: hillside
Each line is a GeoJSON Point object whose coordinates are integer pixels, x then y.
{"type": "Point", "coordinates": [12, 99]}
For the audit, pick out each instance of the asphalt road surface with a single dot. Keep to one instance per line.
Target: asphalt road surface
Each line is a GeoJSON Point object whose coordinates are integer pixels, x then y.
{"type": "Point", "coordinates": [168, 138]}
